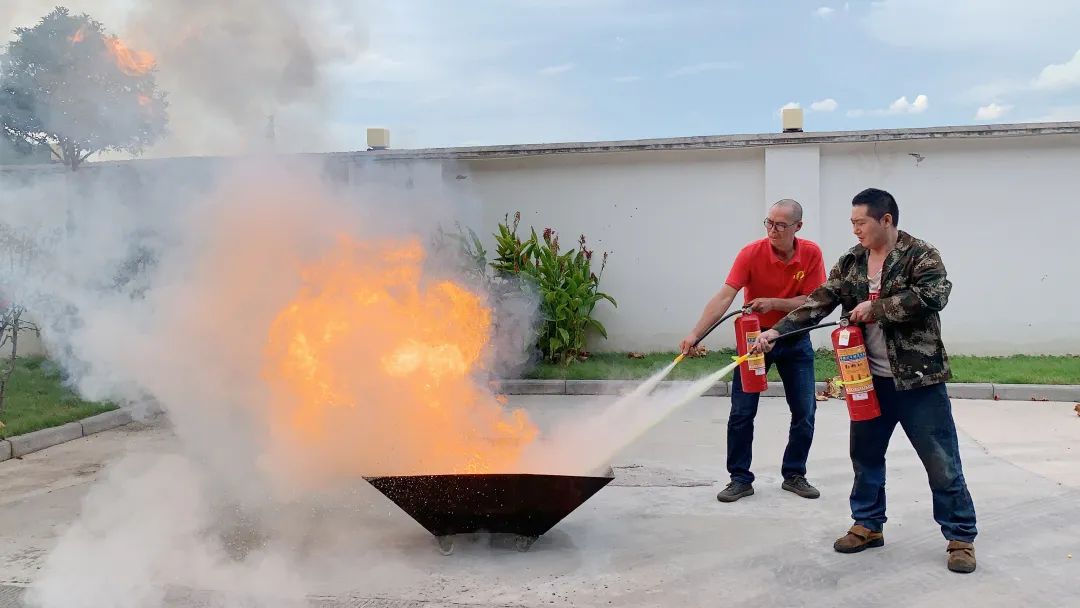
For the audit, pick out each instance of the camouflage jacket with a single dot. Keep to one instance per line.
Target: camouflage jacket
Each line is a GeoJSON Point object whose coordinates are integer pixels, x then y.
{"type": "Point", "coordinates": [914, 288]}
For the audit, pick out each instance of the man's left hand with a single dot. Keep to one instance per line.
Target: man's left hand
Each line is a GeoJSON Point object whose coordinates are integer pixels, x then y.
{"type": "Point", "coordinates": [862, 313]}
{"type": "Point", "coordinates": [764, 342]}
{"type": "Point", "coordinates": [763, 305]}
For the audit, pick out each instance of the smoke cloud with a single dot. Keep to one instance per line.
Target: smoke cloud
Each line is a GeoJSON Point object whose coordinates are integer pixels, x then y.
{"type": "Point", "coordinates": [297, 332]}
{"type": "Point", "coordinates": [240, 75]}
{"type": "Point", "coordinates": [232, 65]}
{"type": "Point", "coordinates": [293, 317]}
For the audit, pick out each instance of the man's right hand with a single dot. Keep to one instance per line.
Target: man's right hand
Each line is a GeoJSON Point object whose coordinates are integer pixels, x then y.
{"type": "Point", "coordinates": [687, 344]}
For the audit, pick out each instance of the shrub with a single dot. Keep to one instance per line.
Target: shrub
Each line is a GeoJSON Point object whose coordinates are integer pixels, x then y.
{"type": "Point", "coordinates": [567, 286]}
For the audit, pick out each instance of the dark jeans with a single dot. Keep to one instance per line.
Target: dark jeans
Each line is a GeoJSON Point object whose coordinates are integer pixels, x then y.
{"type": "Point", "coordinates": [794, 359]}
{"type": "Point", "coordinates": [926, 416]}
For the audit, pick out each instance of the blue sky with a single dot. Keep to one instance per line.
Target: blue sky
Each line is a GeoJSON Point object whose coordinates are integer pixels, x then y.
{"type": "Point", "coordinates": [482, 72]}
{"type": "Point", "coordinates": [523, 71]}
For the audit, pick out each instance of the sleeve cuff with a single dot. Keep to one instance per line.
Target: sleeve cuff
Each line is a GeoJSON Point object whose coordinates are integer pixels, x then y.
{"type": "Point", "coordinates": [782, 326]}
{"type": "Point", "coordinates": [877, 307]}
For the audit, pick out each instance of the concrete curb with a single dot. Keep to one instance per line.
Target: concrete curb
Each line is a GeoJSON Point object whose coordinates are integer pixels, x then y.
{"type": "Point", "coordinates": [1037, 392]}
{"type": "Point", "coordinates": [622, 387]}
{"type": "Point", "coordinates": [21, 445]}
{"type": "Point", "coordinates": [970, 390]}
{"type": "Point", "coordinates": [106, 421]}
{"type": "Point", "coordinates": [530, 387]}
{"type": "Point", "coordinates": [959, 390]}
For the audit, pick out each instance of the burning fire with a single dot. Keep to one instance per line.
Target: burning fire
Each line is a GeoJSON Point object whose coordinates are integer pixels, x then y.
{"type": "Point", "coordinates": [371, 367]}
{"type": "Point", "coordinates": [144, 100]}
{"type": "Point", "coordinates": [130, 62]}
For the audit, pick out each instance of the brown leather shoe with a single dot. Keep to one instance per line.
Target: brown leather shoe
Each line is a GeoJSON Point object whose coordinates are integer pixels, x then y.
{"type": "Point", "coordinates": [961, 556]}
{"type": "Point", "coordinates": [857, 539]}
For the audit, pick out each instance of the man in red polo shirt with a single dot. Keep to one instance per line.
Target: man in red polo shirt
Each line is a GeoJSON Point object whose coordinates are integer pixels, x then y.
{"type": "Point", "coordinates": [776, 274]}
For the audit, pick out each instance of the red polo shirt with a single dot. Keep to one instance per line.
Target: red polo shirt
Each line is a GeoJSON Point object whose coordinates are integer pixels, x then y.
{"type": "Point", "coordinates": [760, 273]}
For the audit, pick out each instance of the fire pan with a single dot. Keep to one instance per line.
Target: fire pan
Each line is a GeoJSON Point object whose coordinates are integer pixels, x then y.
{"type": "Point", "coordinates": [525, 505]}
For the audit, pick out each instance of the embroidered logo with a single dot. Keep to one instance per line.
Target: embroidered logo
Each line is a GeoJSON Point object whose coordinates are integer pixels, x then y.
{"type": "Point", "coordinates": [800, 275]}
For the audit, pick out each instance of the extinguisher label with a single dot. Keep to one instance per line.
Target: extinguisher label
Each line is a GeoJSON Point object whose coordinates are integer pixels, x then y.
{"type": "Point", "coordinates": [845, 337]}
{"type": "Point", "coordinates": [855, 371]}
{"type": "Point", "coordinates": [756, 363]}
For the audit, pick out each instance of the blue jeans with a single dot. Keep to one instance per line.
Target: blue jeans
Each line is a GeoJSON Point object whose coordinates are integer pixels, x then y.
{"type": "Point", "coordinates": [926, 416]}
{"type": "Point", "coordinates": [794, 359]}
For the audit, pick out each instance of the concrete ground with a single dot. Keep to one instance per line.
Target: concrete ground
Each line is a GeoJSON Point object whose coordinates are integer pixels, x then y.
{"type": "Point", "coordinates": [656, 536]}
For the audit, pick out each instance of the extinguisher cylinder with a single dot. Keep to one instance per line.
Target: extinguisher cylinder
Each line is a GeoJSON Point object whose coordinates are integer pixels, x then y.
{"type": "Point", "coordinates": [851, 358]}
{"type": "Point", "coordinates": [752, 371]}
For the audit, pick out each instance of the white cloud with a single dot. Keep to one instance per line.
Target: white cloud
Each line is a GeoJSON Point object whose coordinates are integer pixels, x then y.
{"type": "Point", "coordinates": [1052, 78]}
{"type": "Point", "coordinates": [373, 66]}
{"type": "Point", "coordinates": [1059, 114]}
{"type": "Point", "coordinates": [440, 75]}
{"type": "Point", "coordinates": [825, 105]}
{"type": "Point", "coordinates": [626, 78]}
{"type": "Point", "coordinates": [825, 11]}
{"type": "Point", "coordinates": [996, 26]}
{"type": "Point", "coordinates": [708, 66]}
{"type": "Point", "coordinates": [991, 90]}
{"type": "Point", "coordinates": [554, 70]}
{"type": "Point", "coordinates": [992, 111]}
{"type": "Point", "coordinates": [900, 106]}
{"type": "Point", "coordinates": [1058, 76]}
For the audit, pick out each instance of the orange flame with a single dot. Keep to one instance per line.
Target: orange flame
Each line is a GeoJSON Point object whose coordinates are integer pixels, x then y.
{"type": "Point", "coordinates": [144, 100]}
{"type": "Point", "coordinates": [132, 63]}
{"type": "Point", "coordinates": [78, 36]}
{"type": "Point", "coordinates": [371, 368]}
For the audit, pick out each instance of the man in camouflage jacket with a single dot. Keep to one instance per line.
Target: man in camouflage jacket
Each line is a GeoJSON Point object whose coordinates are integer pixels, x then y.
{"type": "Point", "coordinates": [893, 286]}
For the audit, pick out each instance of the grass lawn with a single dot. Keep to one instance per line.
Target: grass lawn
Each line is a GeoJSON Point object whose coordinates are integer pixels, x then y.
{"type": "Point", "coordinates": [37, 399]}
{"type": "Point", "coordinates": [1018, 369]}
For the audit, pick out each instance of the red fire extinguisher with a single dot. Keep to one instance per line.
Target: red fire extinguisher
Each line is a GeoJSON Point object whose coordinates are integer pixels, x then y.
{"type": "Point", "coordinates": [751, 371]}
{"type": "Point", "coordinates": [851, 358]}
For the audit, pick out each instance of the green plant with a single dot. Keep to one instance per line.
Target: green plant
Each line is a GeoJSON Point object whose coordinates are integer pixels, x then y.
{"type": "Point", "coordinates": [568, 287]}
{"type": "Point", "coordinates": [464, 248]}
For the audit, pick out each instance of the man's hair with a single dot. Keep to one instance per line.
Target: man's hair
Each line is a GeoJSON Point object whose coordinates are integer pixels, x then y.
{"type": "Point", "coordinates": [878, 203]}
{"type": "Point", "coordinates": [790, 203]}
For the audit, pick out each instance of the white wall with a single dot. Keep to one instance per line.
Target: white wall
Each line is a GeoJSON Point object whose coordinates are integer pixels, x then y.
{"type": "Point", "coordinates": [673, 221]}
{"type": "Point", "coordinates": [1002, 211]}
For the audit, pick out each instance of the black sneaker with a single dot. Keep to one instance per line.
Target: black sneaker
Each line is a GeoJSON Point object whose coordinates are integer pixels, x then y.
{"type": "Point", "coordinates": [799, 485]}
{"type": "Point", "coordinates": [734, 491]}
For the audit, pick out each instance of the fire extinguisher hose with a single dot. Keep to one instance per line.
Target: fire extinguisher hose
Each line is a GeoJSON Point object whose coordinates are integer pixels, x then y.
{"type": "Point", "coordinates": [798, 332]}
{"type": "Point", "coordinates": [709, 331]}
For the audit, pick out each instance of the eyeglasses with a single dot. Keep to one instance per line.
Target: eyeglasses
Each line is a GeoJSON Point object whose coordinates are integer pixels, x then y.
{"type": "Point", "coordinates": [781, 226]}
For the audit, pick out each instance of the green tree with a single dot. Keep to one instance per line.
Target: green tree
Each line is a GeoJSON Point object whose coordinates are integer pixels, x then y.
{"type": "Point", "coordinates": [67, 84]}
{"type": "Point", "coordinates": [16, 150]}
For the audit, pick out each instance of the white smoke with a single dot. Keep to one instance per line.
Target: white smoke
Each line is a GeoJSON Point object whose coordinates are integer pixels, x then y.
{"type": "Point", "coordinates": [156, 283]}
{"type": "Point", "coordinates": [151, 526]}
{"type": "Point", "coordinates": [240, 75]}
